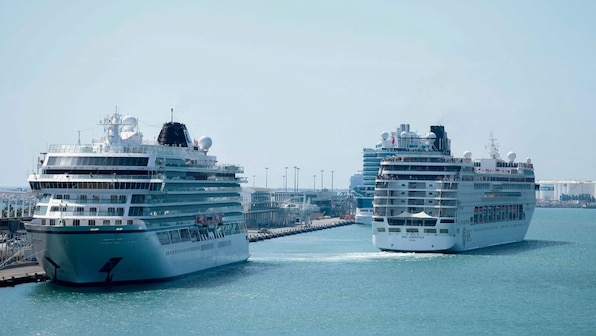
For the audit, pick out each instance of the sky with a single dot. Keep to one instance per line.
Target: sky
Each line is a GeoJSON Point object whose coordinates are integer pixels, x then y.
{"type": "Point", "coordinates": [303, 84]}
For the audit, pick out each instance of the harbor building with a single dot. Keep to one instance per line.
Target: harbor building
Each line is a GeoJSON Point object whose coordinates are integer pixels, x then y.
{"type": "Point", "coordinates": [568, 193]}
{"type": "Point", "coordinates": [269, 208]}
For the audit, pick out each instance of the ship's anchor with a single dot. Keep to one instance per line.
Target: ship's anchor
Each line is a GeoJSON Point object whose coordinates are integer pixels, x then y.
{"type": "Point", "coordinates": [108, 267]}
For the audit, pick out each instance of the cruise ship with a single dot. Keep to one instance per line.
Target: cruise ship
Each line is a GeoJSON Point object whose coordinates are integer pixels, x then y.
{"type": "Point", "coordinates": [122, 210]}
{"type": "Point", "coordinates": [371, 162]}
{"type": "Point", "coordinates": [426, 200]}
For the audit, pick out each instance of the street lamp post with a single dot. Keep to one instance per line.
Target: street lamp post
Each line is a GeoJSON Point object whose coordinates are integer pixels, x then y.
{"type": "Point", "coordinates": [286, 180]}
{"type": "Point", "coordinates": [297, 179]}
{"type": "Point", "coordinates": [332, 181]}
{"type": "Point", "coordinates": [322, 186]}
{"type": "Point", "coordinates": [295, 170]}
{"type": "Point", "coordinates": [314, 182]}
{"type": "Point", "coordinates": [266, 175]}
{"type": "Point", "coordinates": [254, 177]}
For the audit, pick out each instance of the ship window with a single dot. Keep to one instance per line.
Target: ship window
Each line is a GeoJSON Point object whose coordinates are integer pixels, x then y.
{"type": "Point", "coordinates": [184, 235]}
{"type": "Point", "coordinates": [76, 222]}
{"type": "Point", "coordinates": [106, 222]}
{"type": "Point", "coordinates": [52, 222]}
{"type": "Point", "coordinates": [163, 237]}
{"type": "Point", "coordinates": [93, 211]}
{"type": "Point", "coordinates": [120, 211]}
{"type": "Point", "coordinates": [412, 230]}
{"type": "Point", "coordinates": [174, 236]}
{"type": "Point", "coordinates": [92, 222]}
{"type": "Point", "coordinates": [444, 231]}
{"type": "Point", "coordinates": [381, 229]}
{"type": "Point", "coordinates": [430, 230]}
{"type": "Point", "coordinates": [135, 211]}
{"type": "Point", "coordinates": [43, 222]}
{"type": "Point", "coordinates": [80, 209]}
{"type": "Point", "coordinates": [138, 199]}
{"type": "Point", "coordinates": [118, 222]}
{"type": "Point", "coordinates": [394, 229]}
{"type": "Point", "coordinates": [129, 222]}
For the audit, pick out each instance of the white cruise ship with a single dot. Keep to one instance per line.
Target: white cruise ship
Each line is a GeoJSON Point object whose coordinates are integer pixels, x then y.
{"type": "Point", "coordinates": [371, 162]}
{"type": "Point", "coordinates": [428, 201]}
{"type": "Point", "coordinates": [120, 210]}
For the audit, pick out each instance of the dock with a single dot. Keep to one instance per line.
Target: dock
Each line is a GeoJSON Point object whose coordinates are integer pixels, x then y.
{"type": "Point", "coordinates": [21, 273]}
{"type": "Point", "coordinates": [322, 224]}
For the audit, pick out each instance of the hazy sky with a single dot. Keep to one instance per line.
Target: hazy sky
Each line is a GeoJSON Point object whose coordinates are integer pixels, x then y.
{"type": "Point", "coordinates": [303, 83]}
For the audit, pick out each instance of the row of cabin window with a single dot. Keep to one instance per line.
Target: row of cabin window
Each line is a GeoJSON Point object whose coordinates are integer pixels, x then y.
{"type": "Point", "coordinates": [90, 222]}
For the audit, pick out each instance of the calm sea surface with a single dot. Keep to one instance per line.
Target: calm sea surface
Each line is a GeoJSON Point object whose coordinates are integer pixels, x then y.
{"type": "Point", "coordinates": [334, 282]}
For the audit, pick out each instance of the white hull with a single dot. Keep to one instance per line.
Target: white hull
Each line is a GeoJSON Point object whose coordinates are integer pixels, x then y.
{"type": "Point", "coordinates": [364, 216]}
{"type": "Point", "coordinates": [464, 237]}
{"type": "Point", "coordinates": [98, 258]}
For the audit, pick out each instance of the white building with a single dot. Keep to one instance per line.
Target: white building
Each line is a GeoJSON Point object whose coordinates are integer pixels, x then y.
{"type": "Point", "coordinates": [565, 190]}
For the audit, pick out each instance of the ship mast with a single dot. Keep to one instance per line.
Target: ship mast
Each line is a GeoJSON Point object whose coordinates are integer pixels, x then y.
{"type": "Point", "coordinates": [493, 147]}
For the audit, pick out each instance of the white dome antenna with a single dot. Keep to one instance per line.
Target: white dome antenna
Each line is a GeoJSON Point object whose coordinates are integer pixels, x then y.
{"type": "Point", "coordinates": [205, 143]}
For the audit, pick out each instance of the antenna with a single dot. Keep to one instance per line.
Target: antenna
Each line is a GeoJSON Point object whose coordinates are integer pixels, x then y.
{"type": "Point", "coordinates": [172, 114]}
{"type": "Point", "coordinates": [493, 147]}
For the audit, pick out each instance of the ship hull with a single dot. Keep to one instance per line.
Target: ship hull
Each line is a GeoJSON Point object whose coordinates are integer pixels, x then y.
{"type": "Point", "coordinates": [363, 216]}
{"type": "Point", "coordinates": [83, 257]}
{"type": "Point", "coordinates": [463, 238]}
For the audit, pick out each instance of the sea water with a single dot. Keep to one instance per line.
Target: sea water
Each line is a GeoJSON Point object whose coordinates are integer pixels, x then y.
{"type": "Point", "coordinates": [334, 282]}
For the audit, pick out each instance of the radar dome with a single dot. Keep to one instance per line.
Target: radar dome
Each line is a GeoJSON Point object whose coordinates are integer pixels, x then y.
{"type": "Point", "coordinates": [129, 123]}
{"type": "Point", "coordinates": [205, 142]}
{"type": "Point", "coordinates": [384, 135]}
{"type": "Point", "coordinates": [467, 154]}
{"type": "Point", "coordinates": [511, 156]}
{"type": "Point", "coordinates": [528, 160]}
{"type": "Point", "coordinates": [431, 135]}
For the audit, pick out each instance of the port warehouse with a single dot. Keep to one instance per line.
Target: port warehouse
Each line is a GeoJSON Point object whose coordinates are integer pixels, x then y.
{"type": "Point", "coordinates": [271, 208]}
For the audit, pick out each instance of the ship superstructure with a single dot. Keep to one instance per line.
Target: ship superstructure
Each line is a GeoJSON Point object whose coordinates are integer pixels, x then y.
{"type": "Point", "coordinates": [371, 162]}
{"type": "Point", "coordinates": [121, 210]}
{"type": "Point", "coordinates": [426, 200]}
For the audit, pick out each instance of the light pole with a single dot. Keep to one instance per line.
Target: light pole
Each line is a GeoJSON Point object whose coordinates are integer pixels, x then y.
{"type": "Point", "coordinates": [266, 175]}
{"type": "Point", "coordinates": [314, 182]}
{"type": "Point", "coordinates": [254, 177]}
{"type": "Point", "coordinates": [322, 180]}
{"type": "Point", "coordinates": [297, 179]}
{"type": "Point", "coordinates": [295, 170]}
{"type": "Point", "coordinates": [286, 180]}
{"type": "Point", "coordinates": [332, 181]}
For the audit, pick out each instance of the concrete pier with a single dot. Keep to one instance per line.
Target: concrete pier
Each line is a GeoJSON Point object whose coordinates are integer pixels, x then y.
{"type": "Point", "coordinates": [321, 224]}
{"type": "Point", "coordinates": [21, 273]}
